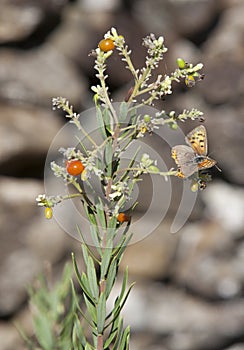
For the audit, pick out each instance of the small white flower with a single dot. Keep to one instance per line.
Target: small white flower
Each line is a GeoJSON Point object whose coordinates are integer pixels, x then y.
{"type": "Point", "coordinates": [41, 198]}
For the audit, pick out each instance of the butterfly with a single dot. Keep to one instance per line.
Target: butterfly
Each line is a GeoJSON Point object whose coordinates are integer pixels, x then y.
{"type": "Point", "coordinates": [194, 158]}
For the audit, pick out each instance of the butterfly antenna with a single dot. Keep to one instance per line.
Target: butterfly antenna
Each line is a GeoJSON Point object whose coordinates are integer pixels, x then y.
{"type": "Point", "coordinates": [210, 154]}
{"type": "Point", "coordinates": [216, 166]}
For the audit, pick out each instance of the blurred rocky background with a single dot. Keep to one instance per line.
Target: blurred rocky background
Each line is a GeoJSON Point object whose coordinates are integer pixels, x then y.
{"type": "Point", "coordinates": [190, 286]}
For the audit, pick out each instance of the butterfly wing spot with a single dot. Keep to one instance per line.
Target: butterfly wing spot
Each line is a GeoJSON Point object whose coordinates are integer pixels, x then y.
{"type": "Point", "coordinates": [197, 139]}
{"type": "Point", "coordinates": [180, 174]}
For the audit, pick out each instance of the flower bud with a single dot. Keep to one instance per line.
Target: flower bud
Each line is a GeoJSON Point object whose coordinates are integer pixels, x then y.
{"type": "Point", "coordinates": [194, 186]}
{"type": "Point", "coordinates": [181, 63]}
{"type": "Point", "coordinates": [147, 118]}
{"type": "Point", "coordinates": [48, 213]}
{"type": "Point", "coordinates": [122, 217]}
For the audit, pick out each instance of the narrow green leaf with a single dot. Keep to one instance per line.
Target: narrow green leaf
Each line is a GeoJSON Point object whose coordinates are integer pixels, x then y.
{"type": "Point", "coordinates": [85, 253]}
{"type": "Point", "coordinates": [124, 344]}
{"type": "Point", "coordinates": [119, 306]}
{"type": "Point", "coordinates": [100, 212]}
{"type": "Point", "coordinates": [89, 347]}
{"type": "Point", "coordinates": [92, 278]}
{"type": "Point", "coordinates": [43, 331]}
{"type": "Point", "coordinates": [82, 280]}
{"type": "Point", "coordinates": [113, 332]}
{"type": "Point", "coordinates": [133, 116]}
{"type": "Point", "coordinates": [111, 277]}
{"type": "Point", "coordinates": [86, 287]}
{"type": "Point", "coordinates": [125, 281]}
{"type": "Point", "coordinates": [88, 251]}
{"type": "Point", "coordinates": [112, 222]}
{"type": "Point", "coordinates": [106, 258]}
{"type": "Point", "coordinates": [101, 313]}
{"type": "Point", "coordinates": [96, 238]}
{"type": "Point", "coordinates": [107, 120]}
{"type": "Point", "coordinates": [121, 246]}
{"type": "Point", "coordinates": [118, 335]}
{"type": "Point", "coordinates": [122, 292]}
{"type": "Point", "coordinates": [92, 311]}
{"type": "Point", "coordinates": [84, 316]}
{"type": "Point", "coordinates": [123, 111]}
{"type": "Point", "coordinates": [108, 157]}
{"type": "Point", "coordinates": [90, 214]}
{"type": "Point", "coordinates": [83, 147]}
{"type": "Point", "coordinates": [100, 122]}
{"type": "Point", "coordinates": [78, 338]}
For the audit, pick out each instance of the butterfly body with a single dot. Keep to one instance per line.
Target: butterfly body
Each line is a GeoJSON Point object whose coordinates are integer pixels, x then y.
{"type": "Point", "coordinates": [192, 158]}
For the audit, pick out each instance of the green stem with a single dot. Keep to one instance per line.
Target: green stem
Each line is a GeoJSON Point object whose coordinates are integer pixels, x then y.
{"type": "Point", "coordinates": [146, 171]}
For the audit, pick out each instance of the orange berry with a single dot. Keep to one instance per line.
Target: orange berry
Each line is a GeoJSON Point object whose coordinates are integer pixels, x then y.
{"type": "Point", "coordinates": [106, 45]}
{"type": "Point", "coordinates": [122, 217]}
{"type": "Point", "coordinates": [74, 167]}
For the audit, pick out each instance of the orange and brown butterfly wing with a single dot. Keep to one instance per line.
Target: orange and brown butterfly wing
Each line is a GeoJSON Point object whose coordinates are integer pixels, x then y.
{"type": "Point", "coordinates": [206, 163]}
{"type": "Point", "coordinates": [197, 139]}
{"type": "Point", "coordinates": [184, 158]}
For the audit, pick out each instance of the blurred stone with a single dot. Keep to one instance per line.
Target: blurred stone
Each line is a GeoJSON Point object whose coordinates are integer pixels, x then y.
{"type": "Point", "coordinates": [225, 41]}
{"type": "Point", "coordinates": [38, 75]}
{"type": "Point", "coordinates": [151, 258]}
{"type": "Point", "coordinates": [18, 208]}
{"type": "Point", "coordinates": [180, 321]}
{"type": "Point", "coordinates": [26, 133]}
{"type": "Point", "coordinates": [191, 17]}
{"type": "Point", "coordinates": [102, 5]}
{"type": "Point", "coordinates": [17, 271]}
{"type": "Point", "coordinates": [20, 18]}
{"type": "Point", "coordinates": [225, 205]}
{"type": "Point", "coordinates": [224, 57]}
{"type": "Point", "coordinates": [44, 232]}
{"type": "Point", "coordinates": [223, 82]}
{"type": "Point", "coordinates": [225, 133]}
{"type": "Point", "coordinates": [209, 262]}
{"type": "Point", "coordinates": [158, 10]}
{"type": "Point", "coordinates": [239, 346]}
{"type": "Point", "coordinates": [10, 339]}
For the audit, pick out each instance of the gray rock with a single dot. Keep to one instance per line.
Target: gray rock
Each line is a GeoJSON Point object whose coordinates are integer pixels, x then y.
{"type": "Point", "coordinates": [17, 271]}
{"type": "Point", "coordinates": [239, 346]}
{"type": "Point", "coordinates": [208, 261]}
{"type": "Point", "coordinates": [225, 205]}
{"type": "Point", "coordinates": [38, 75]}
{"type": "Point", "coordinates": [151, 258]}
{"type": "Point", "coordinates": [191, 17]}
{"type": "Point", "coordinates": [226, 39]}
{"type": "Point", "coordinates": [225, 131]}
{"type": "Point", "coordinates": [19, 19]}
{"type": "Point", "coordinates": [26, 130]}
{"type": "Point", "coordinates": [182, 321]}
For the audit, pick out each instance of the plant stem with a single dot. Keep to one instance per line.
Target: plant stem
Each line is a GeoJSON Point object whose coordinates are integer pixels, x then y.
{"type": "Point", "coordinates": [100, 342]}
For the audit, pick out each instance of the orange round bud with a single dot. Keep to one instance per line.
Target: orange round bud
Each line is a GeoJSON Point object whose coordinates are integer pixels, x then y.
{"type": "Point", "coordinates": [122, 217]}
{"type": "Point", "coordinates": [74, 167]}
{"type": "Point", "coordinates": [106, 45]}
